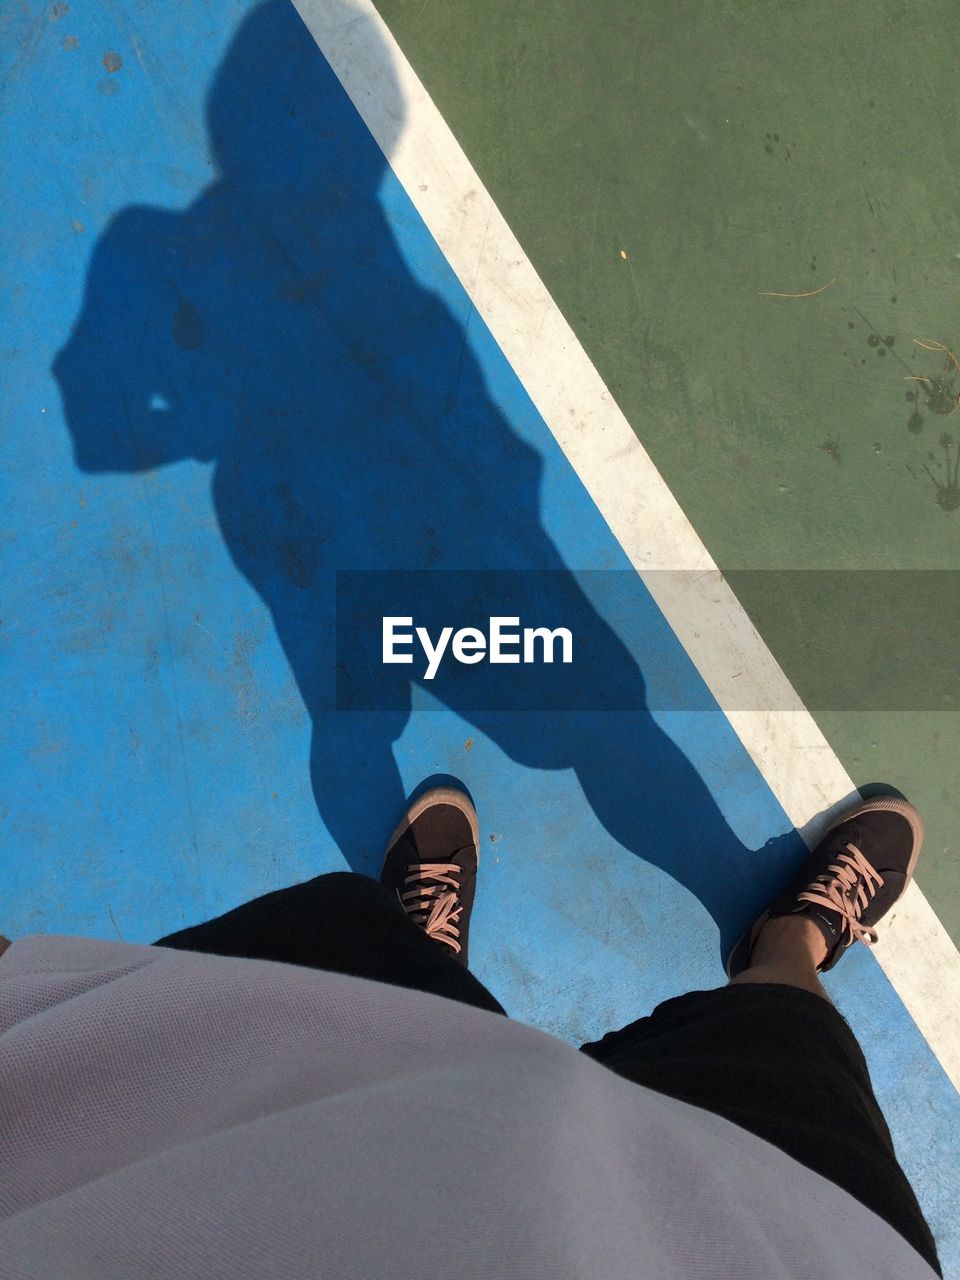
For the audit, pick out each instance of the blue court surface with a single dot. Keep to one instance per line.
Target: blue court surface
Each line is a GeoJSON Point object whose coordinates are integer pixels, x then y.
{"type": "Point", "coordinates": [236, 366]}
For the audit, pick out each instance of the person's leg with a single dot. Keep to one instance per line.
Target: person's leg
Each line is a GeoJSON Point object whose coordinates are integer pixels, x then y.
{"type": "Point", "coordinates": [343, 922]}
{"type": "Point", "coordinates": [781, 1062]}
{"type": "Point", "coordinates": [788, 951]}
{"type": "Point", "coordinates": [770, 1052]}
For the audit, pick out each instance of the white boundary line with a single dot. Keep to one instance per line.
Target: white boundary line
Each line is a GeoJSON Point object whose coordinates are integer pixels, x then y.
{"type": "Point", "coordinates": [797, 762]}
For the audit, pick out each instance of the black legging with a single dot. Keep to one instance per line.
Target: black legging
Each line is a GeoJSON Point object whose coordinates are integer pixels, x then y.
{"type": "Point", "coordinates": [776, 1060]}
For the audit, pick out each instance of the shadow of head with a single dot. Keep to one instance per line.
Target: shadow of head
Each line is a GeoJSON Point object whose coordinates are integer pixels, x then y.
{"type": "Point", "coordinates": [150, 375]}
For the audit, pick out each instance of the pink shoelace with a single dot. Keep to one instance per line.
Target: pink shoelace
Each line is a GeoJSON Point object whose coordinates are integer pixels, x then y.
{"type": "Point", "coordinates": [834, 888]}
{"type": "Point", "coordinates": [435, 911]}
{"type": "Point", "coordinates": [847, 886]}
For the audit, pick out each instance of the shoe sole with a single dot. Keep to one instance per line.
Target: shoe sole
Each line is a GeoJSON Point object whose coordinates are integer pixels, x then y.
{"type": "Point", "coordinates": [436, 795]}
{"type": "Point", "coordinates": [886, 804]}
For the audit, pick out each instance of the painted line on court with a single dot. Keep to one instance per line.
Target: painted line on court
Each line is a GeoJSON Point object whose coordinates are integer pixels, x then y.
{"type": "Point", "coordinates": [914, 951]}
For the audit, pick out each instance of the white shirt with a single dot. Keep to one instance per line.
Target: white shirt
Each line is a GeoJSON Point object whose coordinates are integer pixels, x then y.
{"type": "Point", "coordinates": [170, 1114]}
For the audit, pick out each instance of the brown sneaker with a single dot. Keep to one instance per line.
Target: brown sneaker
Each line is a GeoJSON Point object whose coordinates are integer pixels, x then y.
{"type": "Point", "coordinates": [431, 863]}
{"type": "Point", "coordinates": [853, 877]}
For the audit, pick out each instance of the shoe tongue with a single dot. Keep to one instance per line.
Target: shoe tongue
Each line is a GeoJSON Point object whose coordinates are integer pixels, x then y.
{"type": "Point", "coordinates": [832, 923]}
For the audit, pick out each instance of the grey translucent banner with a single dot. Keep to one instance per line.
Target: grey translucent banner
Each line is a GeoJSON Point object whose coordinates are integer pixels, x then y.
{"type": "Point", "coordinates": [860, 639]}
{"type": "Point", "coordinates": [596, 640]}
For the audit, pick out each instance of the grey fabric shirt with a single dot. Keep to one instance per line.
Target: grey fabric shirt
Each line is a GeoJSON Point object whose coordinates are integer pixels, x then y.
{"type": "Point", "coordinates": [170, 1114]}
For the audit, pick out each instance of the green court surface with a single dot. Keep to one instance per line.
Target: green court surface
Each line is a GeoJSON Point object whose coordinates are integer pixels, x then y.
{"type": "Point", "coordinates": [664, 167]}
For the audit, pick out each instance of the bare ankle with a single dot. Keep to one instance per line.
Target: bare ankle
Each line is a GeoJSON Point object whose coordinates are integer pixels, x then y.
{"type": "Point", "coordinates": [787, 951]}
{"type": "Point", "coordinates": [793, 939]}
{"type": "Point", "coordinates": [784, 976]}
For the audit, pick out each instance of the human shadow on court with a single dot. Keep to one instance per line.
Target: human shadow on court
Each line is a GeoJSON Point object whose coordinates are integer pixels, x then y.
{"type": "Point", "coordinates": [274, 329]}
